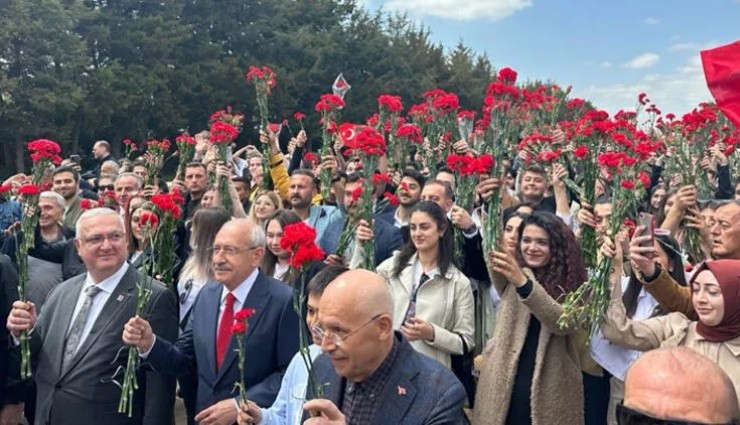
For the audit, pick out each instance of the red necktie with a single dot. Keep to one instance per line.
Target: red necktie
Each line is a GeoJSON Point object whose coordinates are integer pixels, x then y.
{"type": "Point", "coordinates": [224, 330]}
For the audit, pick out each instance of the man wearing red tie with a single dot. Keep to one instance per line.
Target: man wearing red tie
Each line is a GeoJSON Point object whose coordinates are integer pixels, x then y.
{"type": "Point", "coordinates": [206, 345]}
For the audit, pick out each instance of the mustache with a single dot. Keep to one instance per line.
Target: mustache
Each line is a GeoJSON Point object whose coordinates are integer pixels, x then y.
{"type": "Point", "coordinates": [221, 268]}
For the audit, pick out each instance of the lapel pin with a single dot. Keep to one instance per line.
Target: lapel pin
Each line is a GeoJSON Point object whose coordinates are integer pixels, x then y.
{"type": "Point", "coordinates": [120, 298]}
{"type": "Point", "coordinates": [401, 390]}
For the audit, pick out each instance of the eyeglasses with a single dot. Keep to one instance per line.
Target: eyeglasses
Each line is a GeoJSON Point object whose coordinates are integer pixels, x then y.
{"type": "Point", "coordinates": [228, 251]}
{"type": "Point", "coordinates": [97, 240]}
{"type": "Point", "coordinates": [627, 416]}
{"type": "Point", "coordinates": [335, 338]}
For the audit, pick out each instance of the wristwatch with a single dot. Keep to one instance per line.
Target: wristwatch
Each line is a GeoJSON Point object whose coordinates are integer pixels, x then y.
{"type": "Point", "coordinates": [648, 279]}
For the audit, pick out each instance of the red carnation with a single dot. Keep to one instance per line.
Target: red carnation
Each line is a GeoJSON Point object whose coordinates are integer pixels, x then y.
{"type": "Point", "coordinates": [356, 194]}
{"type": "Point", "coordinates": [44, 146]}
{"type": "Point", "coordinates": [238, 328]}
{"type": "Point", "coordinates": [644, 179]}
{"type": "Point", "coordinates": [447, 103]}
{"type": "Point", "coordinates": [149, 219]}
{"type": "Point", "coordinates": [274, 127]}
{"type": "Point", "coordinates": [507, 76]}
{"type": "Point", "coordinates": [581, 152]}
{"type": "Point", "coordinates": [391, 103]}
{"type": "Point", "coordinates": [297, 234]}
{"type": "Point", "coordinates": [5, 188]}
{"type": "Point", "coordinates": [306, 254]}
{"type": "Point", "coordinates": [310, 158]}
{"type": "Point", "coordinates": [88, 204]}
{"type": "Point", "coordinates": [483, 164]}
{"type": "Point", "coordinates": [392, 199]}
{"type": "Point", "coordinates": [411, 132]}
{"type": "Point", "coordinates": [244, 314]}
{"type": "Point", "coordinates": [381, 178]}
{"type": "Point", "coordinates": [222, 132]}
{"type": "Point", "coordinates": [300, 116]}
{"type": "Point", "coordinates": [628, 184]}
{"type": "Point", "coordinates": [29, 190]}
{"type": "Point", "coordinates": [184, 139]}
{"type": "Point", "coordinates": [466, 115]}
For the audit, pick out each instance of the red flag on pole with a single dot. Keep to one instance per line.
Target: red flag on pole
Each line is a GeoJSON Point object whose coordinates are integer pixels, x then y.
{"type": "Point", "coordinates": [722, 71]}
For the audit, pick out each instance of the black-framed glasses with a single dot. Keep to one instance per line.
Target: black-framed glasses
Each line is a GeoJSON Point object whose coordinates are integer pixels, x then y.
{"type": "Point", "coordinates": [335, 338]}
{"type": "Point", "coordinates": [629, 416]}
{"type": "Point", "coordinates": [186, 293]}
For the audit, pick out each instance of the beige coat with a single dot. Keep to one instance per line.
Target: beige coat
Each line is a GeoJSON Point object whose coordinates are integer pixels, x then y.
{"type": "Point", "coordinates": [444, 301]}
{"type": "Point", "coordinates": [671, 330]}
{"type": "Point", "coordinates": [557, 389]}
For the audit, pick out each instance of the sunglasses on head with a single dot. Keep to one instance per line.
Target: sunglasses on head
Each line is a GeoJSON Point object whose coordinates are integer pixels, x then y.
{"type": "Point", "coordinates": [627, 416]}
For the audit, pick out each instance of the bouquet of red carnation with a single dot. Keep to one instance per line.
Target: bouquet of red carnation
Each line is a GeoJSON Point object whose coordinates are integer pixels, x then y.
{"type": "Point", "coordinates": [441, 121]}
{"type": "Point", "coordinates": [186, 150]}
{"type": "Point", "coordinates": [28, 195]}
{"type": "Point", "coordinates": [129, 383]}
{"type": "Point", "coordinates": [328, 106]}
{"type": "Point", "coordinates": [467, 168]}
{"type": "Point", "coordinates": [588, 137]}
{"type": "Point", "coordinates": [390, 108]}
{"type": "Point", "coordinates": [264, 81]}
{"type": "Point", "coordinates": [300, 239]}
{"type": "Point", "coordinates": [222, 135]}
{"type": "Point", "coordinates": [407, 135]}
{"type": "Point", "coordinates": [587, 305]}
{"type": "Point", "coordinates": [129, 147]}
{"type": "Point", "coordinates": [89, 204]}
{"type": "Point", "coordinates": [300, 117]}
{"type": "Point", "coordinates": [370, 145]}
{"type": "Point", "coordinates": [156, 152]}
{"type": "Point", "coordinates": [168, 208]}
{"type": "Point", "coordinates": [239, 330]}
{"type": "Point", "coordinates": [44, 156]}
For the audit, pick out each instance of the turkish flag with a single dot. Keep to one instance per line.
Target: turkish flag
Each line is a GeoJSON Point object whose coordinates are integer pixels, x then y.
{"type": "Point", "coordinates": [722, 71]}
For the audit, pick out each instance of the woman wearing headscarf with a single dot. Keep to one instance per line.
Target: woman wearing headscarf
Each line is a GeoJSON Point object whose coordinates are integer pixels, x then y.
{"type": "Point", "coordinates": [715, 296]}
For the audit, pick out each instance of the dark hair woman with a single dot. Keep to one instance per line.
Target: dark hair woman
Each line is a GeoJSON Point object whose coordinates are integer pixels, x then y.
{"type": "Point", "coordinates": [639, 305]}
{"type": "Point", "coordinates": [530, 369]}
{"type": "Point", "coordinates": [432, 300]}
{"type": "Point", "coordinates": [276, 260]}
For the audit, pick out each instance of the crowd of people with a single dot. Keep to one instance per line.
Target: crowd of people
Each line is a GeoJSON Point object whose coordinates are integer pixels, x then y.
{"type": "Point", "coordinates": [424, 337]}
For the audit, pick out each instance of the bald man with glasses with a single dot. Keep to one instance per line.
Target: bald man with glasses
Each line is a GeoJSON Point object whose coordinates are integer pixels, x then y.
{"type": "Point", "coordinates": [373, 374]}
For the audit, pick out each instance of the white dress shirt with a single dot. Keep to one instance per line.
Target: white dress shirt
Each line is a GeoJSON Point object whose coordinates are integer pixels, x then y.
{"type": "Point", "coordinates": [240, 293]}
{"type": "Point", "coordinates": [106, 286]}
{"type": "Point", "coordinates": [418, 271]}
{"type": "Point", "coordinates": [615, 358]}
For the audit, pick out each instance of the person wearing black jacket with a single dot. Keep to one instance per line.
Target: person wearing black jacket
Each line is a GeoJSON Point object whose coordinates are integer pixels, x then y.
{"type": "Point", "coordinates": [11, 386]}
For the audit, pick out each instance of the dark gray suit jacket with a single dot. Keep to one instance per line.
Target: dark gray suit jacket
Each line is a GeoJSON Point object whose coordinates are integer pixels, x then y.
{"type": "Point", "coordinates": [419, 390]}
{"type": "Point", "coordinates": [83, 393]}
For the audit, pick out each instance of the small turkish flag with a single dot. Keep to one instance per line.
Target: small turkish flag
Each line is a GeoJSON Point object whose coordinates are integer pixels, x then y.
{"type": "Point", "coordinates": [722, 71]}
{"type": "Point", "coordinates": [340, 87]}
{"type": "Point", "coordinates": [401, 390]}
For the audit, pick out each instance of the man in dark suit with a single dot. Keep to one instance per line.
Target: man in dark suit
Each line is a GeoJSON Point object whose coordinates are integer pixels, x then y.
{"type": "Point", "coordinates": [206, 345]}
{"type": "Point", "coordinates": [373, 374]}
{"type": "Point", "coordinates": [386, 236]}
{"type": "Point", "coordinates": [76, 337]}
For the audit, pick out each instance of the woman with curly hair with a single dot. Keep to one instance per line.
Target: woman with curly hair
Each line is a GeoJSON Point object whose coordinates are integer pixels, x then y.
{"type": "Point", "coordinates": [530, 369]}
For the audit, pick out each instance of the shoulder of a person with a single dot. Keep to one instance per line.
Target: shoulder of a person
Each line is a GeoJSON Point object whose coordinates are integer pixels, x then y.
{"type": "Point", "coordinates": [276, 287]}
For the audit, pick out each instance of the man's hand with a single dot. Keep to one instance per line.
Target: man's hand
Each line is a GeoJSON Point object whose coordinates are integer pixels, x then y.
{"type": "Point", "coordinates": [222, 413]}
{"type": "Point", "coordinates": [559, 173]}
{"type": "Point", "coordinates": [719, 155]}
{"type": "Point", "coordinates": [364, 231]}
{"type": "Point", "coordinates": [461, 218]}
{"type": "Point", "coordinates": [328, 413]}
{"type": "Point", "coordinates": [329, 162]}
{"type": "Point", "coordinates": [11, 414]}
{"type": "Point", "coordinates": [685, 197]}
{"type": "Point", "coordinates": [22, 317]}
{"type": "Point", "coordinates": [487, 187]}
{"type": "Point", "coordinates": [586, 216]}
{"type": "Point", "coordinates": [301, 139]}
{"type": "Point", "coordinates": [178, 184]}
{"type": "Point", "coordinates": [461, 147]}
{"type": "Point", "coordinates": [147, 191]}
{"type": "Point", "coordinates": [249, 413]}
{"type": "Point", "coordinates": [138, 333]}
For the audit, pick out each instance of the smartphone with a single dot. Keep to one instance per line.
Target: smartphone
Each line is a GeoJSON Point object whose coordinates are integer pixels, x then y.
{"type": "Point", "coordinates": [75, 158]}
{"type": "Point", "coordinates": [230, 154]}
{"type": "Point", "coordinates": [647, 220]}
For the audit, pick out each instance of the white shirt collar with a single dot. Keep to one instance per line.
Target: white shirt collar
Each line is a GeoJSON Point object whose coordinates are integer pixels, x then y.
{"type": "Point", "coordinates": [108, 285]}
{"type": "Point", "coordinates": [241, 291]}
{"type": "Point", "coordinates": [397, 220]}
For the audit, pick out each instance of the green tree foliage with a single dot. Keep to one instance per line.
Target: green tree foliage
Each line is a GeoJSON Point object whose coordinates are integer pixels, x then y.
{"type": "Point", "coordinates": [77, 71]}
